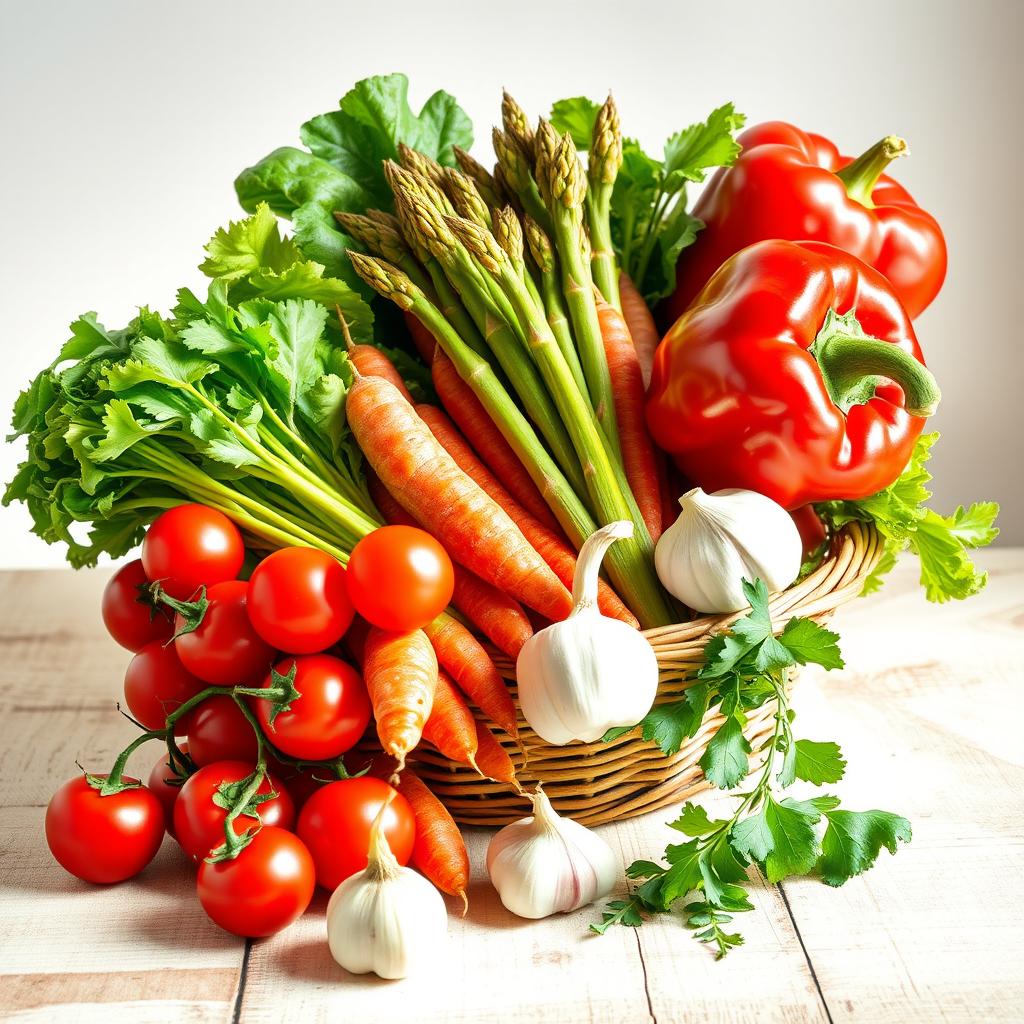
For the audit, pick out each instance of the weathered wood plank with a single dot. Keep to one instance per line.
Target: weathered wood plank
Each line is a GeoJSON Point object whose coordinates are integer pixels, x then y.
{"type": "Point", "coordinates": [928, 717]}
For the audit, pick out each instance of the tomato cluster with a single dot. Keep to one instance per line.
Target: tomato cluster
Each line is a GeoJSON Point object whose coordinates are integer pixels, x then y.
{"type": "Point", "coordinates": [251, 672]}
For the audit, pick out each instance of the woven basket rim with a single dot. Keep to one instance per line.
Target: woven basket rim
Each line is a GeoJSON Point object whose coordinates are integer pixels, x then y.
{"type": "Point", "coordinates": [599, 782]}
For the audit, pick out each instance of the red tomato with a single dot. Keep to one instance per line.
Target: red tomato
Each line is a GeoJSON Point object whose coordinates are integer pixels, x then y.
{"type": "Point", "coordinates": [331, 713]}
{"type": "Point", "coordinates": [224, 649]}
{"type": "Point", "coordinates": [199, 822]}
{"type": "Point", "coordinates": [262, 890]}
{"type": "Point", "coordinates": [302, 784]}
{"type": "Point", "coordinates": [132, 622]}
{"type": "Point", "coordinates": [164, 785]}
{"type": "Point", "coordinates": [298, 601]}
{"type": "Point", "coordinates": [335, 825]}
{"type": "Point", "coordinates": [190, 545]}
{"type": "Point", "coordinates": [218, 731]}
{"type": "Point", "coordinates": [156, 683]}
{"type": "Point", "coordinates": [399, 578]}
{"type": "Point", "coordinates": [103, 839]}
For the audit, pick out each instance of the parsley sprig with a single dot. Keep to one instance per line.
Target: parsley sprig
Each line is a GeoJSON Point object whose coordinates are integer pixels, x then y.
{"type": "Point", "coordinates": [743, 670]}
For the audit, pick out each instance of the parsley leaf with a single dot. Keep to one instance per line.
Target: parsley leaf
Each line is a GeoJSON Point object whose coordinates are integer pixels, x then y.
{"type": "Point", "coordinates": [853, 840]}
{"type": "Point", "coordinates": [901, 516]}
{"type": "Point", "coordinates": [725, 762]}
{"type": "Point", "coordinates": [818, 763]}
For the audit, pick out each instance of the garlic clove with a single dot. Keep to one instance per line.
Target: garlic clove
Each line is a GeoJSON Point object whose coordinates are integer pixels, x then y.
{"type": "Point", "coordinates": [547, 864]}
{"type": "Point", "coordinates": [719, 540]}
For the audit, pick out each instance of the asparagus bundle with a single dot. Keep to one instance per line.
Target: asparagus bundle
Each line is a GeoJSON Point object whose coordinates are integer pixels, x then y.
{"type": "Point", "coordinates": [501, 270]}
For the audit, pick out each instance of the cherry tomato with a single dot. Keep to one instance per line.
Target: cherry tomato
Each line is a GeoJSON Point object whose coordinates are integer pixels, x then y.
{"type": "Point", "coordinates": [132, 622]}
{"type": "Point", "coordinates": [166, 786]}
{"type": "Point", "coordinates": [218, 731]}
{"type": "Point", "coordinates": [190, 545]}
{"type": "Point", "coordinates": [302, 783]}
{"type": "Point", "coordinates": [262, 890]}
{"type": "Point", "coordinates": [103, 839]}
{"type": "Point", "coordinates": [399, 578]}
{"type": "Point", "coordinates": [327, 718]}
{"type": "Point", "coordinates": [156, 683]}
{"type": "Point", "coordinates": [335, 825]}
{"type": "Point", "coordinates": [298, 601]}
{"type": "Point", "coordinates": [199, 822]}
{"type": "Point", "coordinates": [224, 649]}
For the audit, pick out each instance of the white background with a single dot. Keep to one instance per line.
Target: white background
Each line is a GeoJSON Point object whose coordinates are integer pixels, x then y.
{"type": "Point", "coordinates": [124, 124]}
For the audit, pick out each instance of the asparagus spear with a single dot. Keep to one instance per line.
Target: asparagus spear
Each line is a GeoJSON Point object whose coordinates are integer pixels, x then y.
{"type": "Point", "coordinates": [605, 161]}
{"type": "Point", "coordinates": [551, 293]}
{"type": "Point", "coordinates": [516, 175]}
{"type": "Point", "coordinates": [465, 196]}
{"type": "Point", "coordinates": [565, 188]}
{"type": "Point", "coordinates": [489, 189]}
{"type": "Point", "coordinates": [632, 567]}
{"type": "Point", "coordinates": [421, 164]}
{"type": "Point", "coordinates": [517, 124]}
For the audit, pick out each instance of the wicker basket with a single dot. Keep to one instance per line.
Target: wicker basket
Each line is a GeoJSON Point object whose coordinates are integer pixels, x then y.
{"type": "Point", "coordinates": [599, 782]}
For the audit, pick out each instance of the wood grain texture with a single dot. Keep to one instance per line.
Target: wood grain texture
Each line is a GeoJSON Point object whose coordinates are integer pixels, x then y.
{"type": "Point", "coordinates": [927, 713]}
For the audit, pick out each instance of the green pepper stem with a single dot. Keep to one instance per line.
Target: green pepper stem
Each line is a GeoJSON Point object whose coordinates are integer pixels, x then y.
{"type": "Point", "coordinates": [853, 367]}
{"type": "Point", "coordinates": [861, 176]}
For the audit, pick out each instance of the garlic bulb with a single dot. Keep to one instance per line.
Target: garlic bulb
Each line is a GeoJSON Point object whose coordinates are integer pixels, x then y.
{"type": "Point", "coordinates": [583, 676]}
{"type": "Point", "coordinates": [719, 540]}
{"type": "Point", "coordinates": [547, 864]}
{"type": "Point", "coordinates": [385, 918]}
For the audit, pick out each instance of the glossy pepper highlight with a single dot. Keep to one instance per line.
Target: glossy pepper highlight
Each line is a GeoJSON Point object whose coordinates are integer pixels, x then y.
{"type": "Point", "coordinates": [771, 381]}
{"type": "Point", "coordinates": [792, 184]}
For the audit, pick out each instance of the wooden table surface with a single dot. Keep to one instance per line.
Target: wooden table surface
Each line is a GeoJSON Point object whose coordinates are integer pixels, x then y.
{"type": "Point", "coordinates": [928, 713]}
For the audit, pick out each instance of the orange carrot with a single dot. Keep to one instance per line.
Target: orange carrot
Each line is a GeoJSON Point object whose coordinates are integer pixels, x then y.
{"type": "Point", "coordinates": [495, 614]}
{"type": "Point", "coordinates": [421, 338]}
{"type": "Point", "coordinates": [371, 362]}
{"type": "Point", "coordinates": [641, 325]}
{"type": "Point", "coordinates": [428, 484]}
{"type": "Point", "coordinates": [638, 451]}
{"type": "Point", "coordinates": [460, 653]}
{"type": "Point", "coordinates": [492, 760]}
{"type": "Point", "coordinates": [464, 407]}
{"type": "Point", "coordinates": [451, 726]}
{"type": "Point", "coordinates": [400, 670]}
{"type": "Point", "coordinates": [555, 551]}
{"type": "Point", "coordinates": [438, 852]}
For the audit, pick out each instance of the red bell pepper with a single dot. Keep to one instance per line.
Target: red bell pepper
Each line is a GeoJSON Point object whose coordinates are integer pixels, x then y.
{"type": "Point", "coordinates": [771, 381]}
{"type": "Point", "coordinates": [787, 183]}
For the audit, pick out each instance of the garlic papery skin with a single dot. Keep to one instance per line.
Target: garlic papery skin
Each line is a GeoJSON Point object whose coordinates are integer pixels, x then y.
{"type": "Point", "coordinates": [386, 919]}
{"type": "Point", "coordinates": [719, 540]}
{"type": "Point", "coordinates": [587, 674]}
{"type": "Point", "coordinates": [547, 864]}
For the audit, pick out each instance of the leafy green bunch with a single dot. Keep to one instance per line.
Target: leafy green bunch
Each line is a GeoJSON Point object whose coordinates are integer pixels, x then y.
{"type": "Point", "coordinates": [745, 669]}
{"type": "Point", "coordinates": [235, 401]}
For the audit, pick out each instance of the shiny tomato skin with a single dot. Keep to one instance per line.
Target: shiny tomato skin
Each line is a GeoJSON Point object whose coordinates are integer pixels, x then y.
{"type": "Point", "coordinates": [298, 601]}
{"type": "Point", "coordinates": [262, 890]}
{"type": "Point", "coordinates": [224, 649]}
{"type": "Point", "coordinates": [103, 839]}
{"type": "Point", "coordinates": [156, 683]}
{"type": "Point", "coordinates": [189, 546]}
{"type": "Point", "coordinates": [163, 784]}
{"type": "Point", "coordinates": [399, 578]}
{"type": "Point", "coordinates": [131, 622]}
{"type": "Point", "coordinates": [327, 719]}
{"type": "Point", "coordinates": [199, 822]}
{"type": "Point", "coordinates": [218, 731]}
{"type": "Point", "coordinates": [335, 824]}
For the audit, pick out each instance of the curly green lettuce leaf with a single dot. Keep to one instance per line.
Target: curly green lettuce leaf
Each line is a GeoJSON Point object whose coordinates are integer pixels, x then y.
{"type": "Point", "coordinates": [901, 515]}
